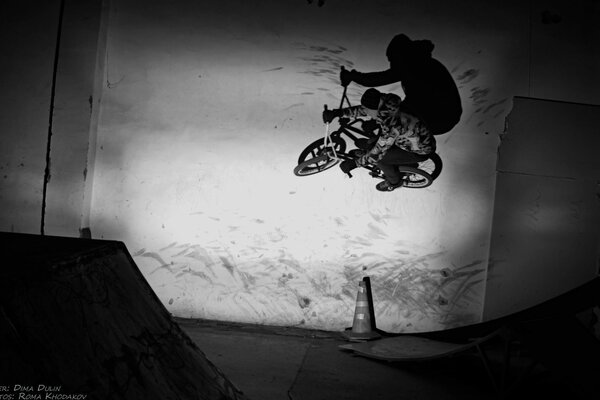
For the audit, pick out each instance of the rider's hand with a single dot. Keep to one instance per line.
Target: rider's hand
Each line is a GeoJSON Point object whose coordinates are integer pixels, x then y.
{"type": "Point", "coordinates": [330, 115]}
{"type": "Point", "coordinates": [362, 160]}
{"type": "Point", "coordinates": [346, 76]}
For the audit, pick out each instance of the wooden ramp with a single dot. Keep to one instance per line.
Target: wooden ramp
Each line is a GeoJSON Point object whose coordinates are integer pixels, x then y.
{"type": "Point", "coordinates": [78, 315]}
{"type": "Point", "coordinates": [550, 334]}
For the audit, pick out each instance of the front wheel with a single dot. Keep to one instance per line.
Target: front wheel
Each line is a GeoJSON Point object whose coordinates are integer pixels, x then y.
{"type": "Point", "coordinates": [315, 165]}
{"type": "Point", "coordinates": [318, 148]}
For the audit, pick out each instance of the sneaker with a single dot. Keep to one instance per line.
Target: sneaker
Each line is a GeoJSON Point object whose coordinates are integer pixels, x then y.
{"type": "Point", "coordinates": [385, 186]}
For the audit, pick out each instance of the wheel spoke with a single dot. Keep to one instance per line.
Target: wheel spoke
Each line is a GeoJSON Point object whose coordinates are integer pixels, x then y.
{"type": "Point", "coordinates": [318, 148]}
{"type": "Point", "coordinates": [315, 165]}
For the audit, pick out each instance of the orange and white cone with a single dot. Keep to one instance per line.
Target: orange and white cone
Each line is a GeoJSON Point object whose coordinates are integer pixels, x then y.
{"type": "Point", "coordinates": [362, 328]}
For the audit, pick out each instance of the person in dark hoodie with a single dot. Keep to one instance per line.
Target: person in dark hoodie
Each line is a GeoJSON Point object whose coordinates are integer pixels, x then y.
{"type": "Point", "coordinates": [430, 91]}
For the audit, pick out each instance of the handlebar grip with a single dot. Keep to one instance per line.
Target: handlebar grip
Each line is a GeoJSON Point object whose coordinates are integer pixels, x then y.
{"type": "Point", "coordinates": [325, 107]}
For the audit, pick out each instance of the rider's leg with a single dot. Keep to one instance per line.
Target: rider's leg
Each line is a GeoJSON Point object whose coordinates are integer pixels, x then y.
{"type": "Point", "coordinates": [365, 144]}
{"type": "Point", "coordinates": [394, 157]}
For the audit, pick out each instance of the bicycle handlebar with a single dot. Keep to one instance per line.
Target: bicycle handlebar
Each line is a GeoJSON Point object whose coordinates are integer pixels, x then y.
{"type": "Point", "coordinates": [344, 95]}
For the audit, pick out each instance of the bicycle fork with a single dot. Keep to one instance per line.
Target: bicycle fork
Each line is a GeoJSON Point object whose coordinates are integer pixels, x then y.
{"type": "Point", "coordinates": [327, 139]}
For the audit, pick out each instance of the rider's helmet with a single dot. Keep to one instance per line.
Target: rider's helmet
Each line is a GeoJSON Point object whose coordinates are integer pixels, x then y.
{"type": "Point", "coordinates": [371, 98]}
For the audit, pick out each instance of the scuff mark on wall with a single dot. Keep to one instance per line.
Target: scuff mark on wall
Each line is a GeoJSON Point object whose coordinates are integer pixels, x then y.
{"type": "Point", "coordinates": [112, 85]}
{"type": "Point", "coordinates": [324, 62]}
{"type": "Point", "coordinates": [467, 76]}
{"type": "Point", "coordinates": [479, 96]}
{"type": "Point", "coordinates": [273, 69]}
{"type": "Point", "coordinates": [265, 283]}
{"type": "Point", "coordinates": [320, 3]}
{"type": "Point", "coordinates": [293, 105]}
{"type": "Point", "coordinates": [493, 105]}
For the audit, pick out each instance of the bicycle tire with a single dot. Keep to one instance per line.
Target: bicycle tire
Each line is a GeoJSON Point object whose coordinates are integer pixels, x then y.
{"type": "Point", "coordinates": [317, 148]}
{"type": "Point", "coordinates": [433, 166]}
{"type": "Point", "coordinates": [421, 176]}
{"type": "Point", "coordinates": [415, 178]}
{"type": "Point", "coordinates": [315, 165]}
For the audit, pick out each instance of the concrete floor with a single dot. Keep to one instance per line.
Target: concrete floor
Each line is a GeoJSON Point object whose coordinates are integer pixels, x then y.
{"type": "Point", "coordinates": [276, 363]}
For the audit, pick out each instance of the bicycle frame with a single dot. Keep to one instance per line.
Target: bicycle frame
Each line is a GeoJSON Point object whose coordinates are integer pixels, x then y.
{"type": "Point", "coordinates": [346, 127]}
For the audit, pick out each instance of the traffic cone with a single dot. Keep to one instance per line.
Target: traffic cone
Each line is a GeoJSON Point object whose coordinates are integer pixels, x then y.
{"type": "Point", "coordinates": [362, 327]}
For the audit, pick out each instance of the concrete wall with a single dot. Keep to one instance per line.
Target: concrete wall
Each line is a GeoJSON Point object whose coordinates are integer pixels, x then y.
{"type": "Point", "coordinates": [545, 232]}
{"type": "Point", "coordinates": [564, 58]}
{"type": "Point", "coordinates": [204, 108]}
{"type": "Point", "coordinates": [46, 114]}
{"type": "Point", "coordinates": [72, 128]}
{"type": "Point", "coordinates": [27, 45]}
{"type": "Point", "coordinates": [546, 225]}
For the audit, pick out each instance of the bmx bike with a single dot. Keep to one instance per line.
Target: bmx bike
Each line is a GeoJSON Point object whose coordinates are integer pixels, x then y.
{"type": "Point", "coordinates": [322, 154]}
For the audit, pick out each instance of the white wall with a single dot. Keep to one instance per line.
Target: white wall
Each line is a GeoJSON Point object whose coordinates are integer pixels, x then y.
{"type": "Point", "coordinates": [204, 114]}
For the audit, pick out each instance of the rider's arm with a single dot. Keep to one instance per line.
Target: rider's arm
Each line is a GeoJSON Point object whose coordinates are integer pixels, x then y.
{"type": "Point", "coordinates": [410, 134]}
{"type": "Point", "coordinates": [348, 112]}
{"type": "Point", "coordinates": [384, 142]}
{"type": "Point", "coordinates": [374, 79]}
{"type": "Point", "coordinates": [353, 112]}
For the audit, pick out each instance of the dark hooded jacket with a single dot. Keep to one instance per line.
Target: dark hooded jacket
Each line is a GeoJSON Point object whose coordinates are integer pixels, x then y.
{"type": "Point", "coordinates": [430, 91]}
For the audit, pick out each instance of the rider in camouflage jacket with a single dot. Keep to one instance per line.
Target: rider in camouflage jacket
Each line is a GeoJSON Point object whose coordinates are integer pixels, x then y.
{"type": "Point", "coordinates": [404, 139]}
{"type": "Point", "coordinates": [399, 127]}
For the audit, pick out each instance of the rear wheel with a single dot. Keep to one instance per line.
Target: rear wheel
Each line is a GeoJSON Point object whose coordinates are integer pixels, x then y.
{"type": "Point", "coordinates": [432, 166]}
{"type": "Point", "coordinates": [418, 176]}
{"type": "Point", "coordinates": [415, 178]}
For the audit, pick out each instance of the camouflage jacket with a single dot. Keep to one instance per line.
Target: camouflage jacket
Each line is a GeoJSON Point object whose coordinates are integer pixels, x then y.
{"type": "Point", "coordinates": [398, 127]}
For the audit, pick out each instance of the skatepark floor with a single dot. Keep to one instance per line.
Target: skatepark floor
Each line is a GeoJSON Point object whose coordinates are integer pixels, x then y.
{"type": "Point", "coordinates": [81, 314]}
{"type": "Point", "coordinates": [278, 363]}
